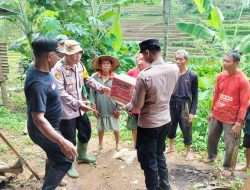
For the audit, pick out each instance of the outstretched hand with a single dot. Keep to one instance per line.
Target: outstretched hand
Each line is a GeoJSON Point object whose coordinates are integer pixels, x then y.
{"type": "Point", "coordinates": [96, 113]}
{"type": "Point", "coordinates": [84, 107]}
{"type": "Point", "coordinates": [106, 90]}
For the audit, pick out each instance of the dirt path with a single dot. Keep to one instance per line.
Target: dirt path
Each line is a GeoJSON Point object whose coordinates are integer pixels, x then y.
{"type": "Point", "coordinates": [111, 173]}
{"type": "Point", "coordinates": [114, 174]}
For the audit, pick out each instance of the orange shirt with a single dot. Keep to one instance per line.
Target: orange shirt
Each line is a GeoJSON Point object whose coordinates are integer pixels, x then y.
{"type": "Point", "coordinates": [231, 96]}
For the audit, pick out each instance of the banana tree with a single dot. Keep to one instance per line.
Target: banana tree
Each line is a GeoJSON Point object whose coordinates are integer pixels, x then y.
{"type": "Point", "coordinates": [87, 21]}
{"type": "Point", "coordinates": [99, 13]}
{"type": "Point", "coordinates": [21, 14]}
{"type": "Point", "coordinates": [213, 29]}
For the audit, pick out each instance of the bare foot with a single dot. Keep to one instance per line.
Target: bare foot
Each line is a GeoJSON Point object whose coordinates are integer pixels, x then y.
{"type": "Point", "coordinates": [117, 147]}
{"type": "Point", "coordinates": [100, 147]}
{"type": "Point", "coordinates": [241, 168]}
{"type": "Point", "coordinates": [189, 156]}
{"type": "Point", "coordinates": [208, 160]}
{"type": "Point", "coordinates": [97, 152]}
{"type": "Point", "coordinates": [226, 173]}
{"type": "Point", "coordinates": [169, 150]}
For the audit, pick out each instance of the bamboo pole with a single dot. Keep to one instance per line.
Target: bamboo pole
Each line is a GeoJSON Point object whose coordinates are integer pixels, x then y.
{"type": "Point", "coordinates": [20, 157]}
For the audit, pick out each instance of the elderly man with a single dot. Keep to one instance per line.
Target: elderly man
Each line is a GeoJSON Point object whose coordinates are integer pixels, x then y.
{"type": "Point", "coordinates": [44, 112]}
{"type": "Point", "coordinates": [230, 103]}
{"type": "Point", "coordinates": [69, 74]}
{"type": "Point", "coordinates": [183, 103]}
{"type": "Point", "coordinates": [152, 95]}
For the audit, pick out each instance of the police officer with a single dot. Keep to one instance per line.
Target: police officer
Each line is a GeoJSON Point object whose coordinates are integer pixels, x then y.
{"type": "Point", "coordinates": [69, 74]}
{"type": "Point", "coordinates": [152, 95]}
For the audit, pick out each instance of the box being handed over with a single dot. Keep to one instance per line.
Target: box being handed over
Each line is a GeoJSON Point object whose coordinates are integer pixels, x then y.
{"type": "Point", "coordinates": [122, 88]}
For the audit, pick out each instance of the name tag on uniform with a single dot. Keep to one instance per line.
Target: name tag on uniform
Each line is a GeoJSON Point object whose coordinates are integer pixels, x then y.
{"type": "Point", "coordinates": [70, 84]}
{"type": "Point", "coordinates": [68, 73]}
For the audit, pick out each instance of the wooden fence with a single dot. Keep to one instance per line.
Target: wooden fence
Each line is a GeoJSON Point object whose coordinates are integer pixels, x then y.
{"type": "Point", "coordinates": [4, 70]}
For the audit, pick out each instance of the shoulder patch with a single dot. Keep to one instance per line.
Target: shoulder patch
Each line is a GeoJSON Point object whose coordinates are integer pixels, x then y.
{"type": "Point", "coordinates": [85, 73]}
{"type": "Point", "coordinates": [58, 75]}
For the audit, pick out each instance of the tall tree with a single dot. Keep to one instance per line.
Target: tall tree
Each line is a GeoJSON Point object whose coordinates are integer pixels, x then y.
{"type": "Point", "coordinates": [166, 18]}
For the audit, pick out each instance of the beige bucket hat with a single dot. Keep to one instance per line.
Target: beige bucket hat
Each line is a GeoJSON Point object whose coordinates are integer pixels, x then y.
{"type": "Point", "coordinates": [71, 47]}
{"type": "Point", "coordinates": [97, 62]}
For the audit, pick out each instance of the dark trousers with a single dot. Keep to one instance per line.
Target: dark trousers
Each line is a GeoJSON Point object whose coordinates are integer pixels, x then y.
{"type": "Point", "coordinates": [61, 164]}
{"type": "Point", "coordinates": [179, 111]}
{"type": "Point", "coordinates": [82, 124]}
{"type": "Point", "coordinates": [231, 143]}
{"type": "Point", "coordinates": [150, 146]}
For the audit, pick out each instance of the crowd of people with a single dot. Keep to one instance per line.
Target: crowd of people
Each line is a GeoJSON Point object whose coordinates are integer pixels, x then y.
{"type": "Point", "coordinates": [165, 96]}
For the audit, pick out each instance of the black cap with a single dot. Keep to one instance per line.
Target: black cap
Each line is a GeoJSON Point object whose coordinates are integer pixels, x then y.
{"type": "Point", "coordinates": [44, 44]}
{"type": "Point", "coordinates": [150, 44]}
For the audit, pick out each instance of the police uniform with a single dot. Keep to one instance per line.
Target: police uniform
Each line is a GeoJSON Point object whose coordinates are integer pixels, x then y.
{"type": "Point", "coordinates": [151, 96]}
{"type": "Point", "coordinates": [70, 80]}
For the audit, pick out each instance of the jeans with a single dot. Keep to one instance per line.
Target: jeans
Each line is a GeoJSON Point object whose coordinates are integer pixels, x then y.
{"type": "Point", "coordinates": [61, 164]}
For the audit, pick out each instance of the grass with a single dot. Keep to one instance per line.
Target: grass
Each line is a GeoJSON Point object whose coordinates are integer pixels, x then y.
{"type": "Point", "coordinates": [3, 148]}
{"type": "Point", "coordinates": [14, 122]}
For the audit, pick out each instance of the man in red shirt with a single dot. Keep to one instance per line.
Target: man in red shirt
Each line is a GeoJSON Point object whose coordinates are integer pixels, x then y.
{"type": "Point", "coordinates": [230, 103]}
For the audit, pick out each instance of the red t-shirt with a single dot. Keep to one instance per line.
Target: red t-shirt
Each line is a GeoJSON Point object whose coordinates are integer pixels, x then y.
{"type": "Point", "coordinates": [134, 73]}
{"type": "Point", "coordinates": [231, 96]}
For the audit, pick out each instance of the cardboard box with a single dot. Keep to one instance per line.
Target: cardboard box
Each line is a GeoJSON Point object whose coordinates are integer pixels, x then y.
{"type": "Point", "coordinates": [122, 88]}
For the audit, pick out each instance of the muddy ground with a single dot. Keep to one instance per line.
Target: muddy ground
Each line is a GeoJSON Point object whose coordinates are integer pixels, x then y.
{"type": "Point", "coordinates": [116, 170]}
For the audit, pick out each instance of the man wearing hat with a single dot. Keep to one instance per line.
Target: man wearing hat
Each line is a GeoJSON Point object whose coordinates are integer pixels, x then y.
{"type": "Point", "coordinates": [152, 95]}
{"type": "Point", "coordinates": [44, 112]}
{"type": "Point", "coordinates": [107, 110]}
{"type": "Point", "coordinates": [69, 74]}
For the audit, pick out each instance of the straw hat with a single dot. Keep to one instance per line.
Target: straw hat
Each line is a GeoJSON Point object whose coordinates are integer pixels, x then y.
{"type": "Point", "coordinates": [97, 62]}
{"type": "Point", "coordinates": [71, 47]}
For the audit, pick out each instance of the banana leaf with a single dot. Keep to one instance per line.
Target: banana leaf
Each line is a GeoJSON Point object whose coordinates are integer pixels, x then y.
{"type": "Point", "coordinates": [197, 30]}
{"type": "Point", "coordinates": [244, 45]}
{"type": "Point", "coordinates": [116, 30]}
{"type": "Point", "coordinates": [215, 17]}
{"type": "Point", "coordinates": [203, 5]}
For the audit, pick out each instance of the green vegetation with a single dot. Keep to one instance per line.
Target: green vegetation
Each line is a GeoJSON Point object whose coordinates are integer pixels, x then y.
{"type": "Point", "coordinates": [14, 122]}
{"type": "Point", "coordinates": [93, 27]}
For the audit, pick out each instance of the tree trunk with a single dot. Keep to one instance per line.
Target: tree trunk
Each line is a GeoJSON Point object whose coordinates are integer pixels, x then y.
{"type": "Point", "coordinates": [166, 18]}
{"type": "Point", "coordinates": [4, 93]}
